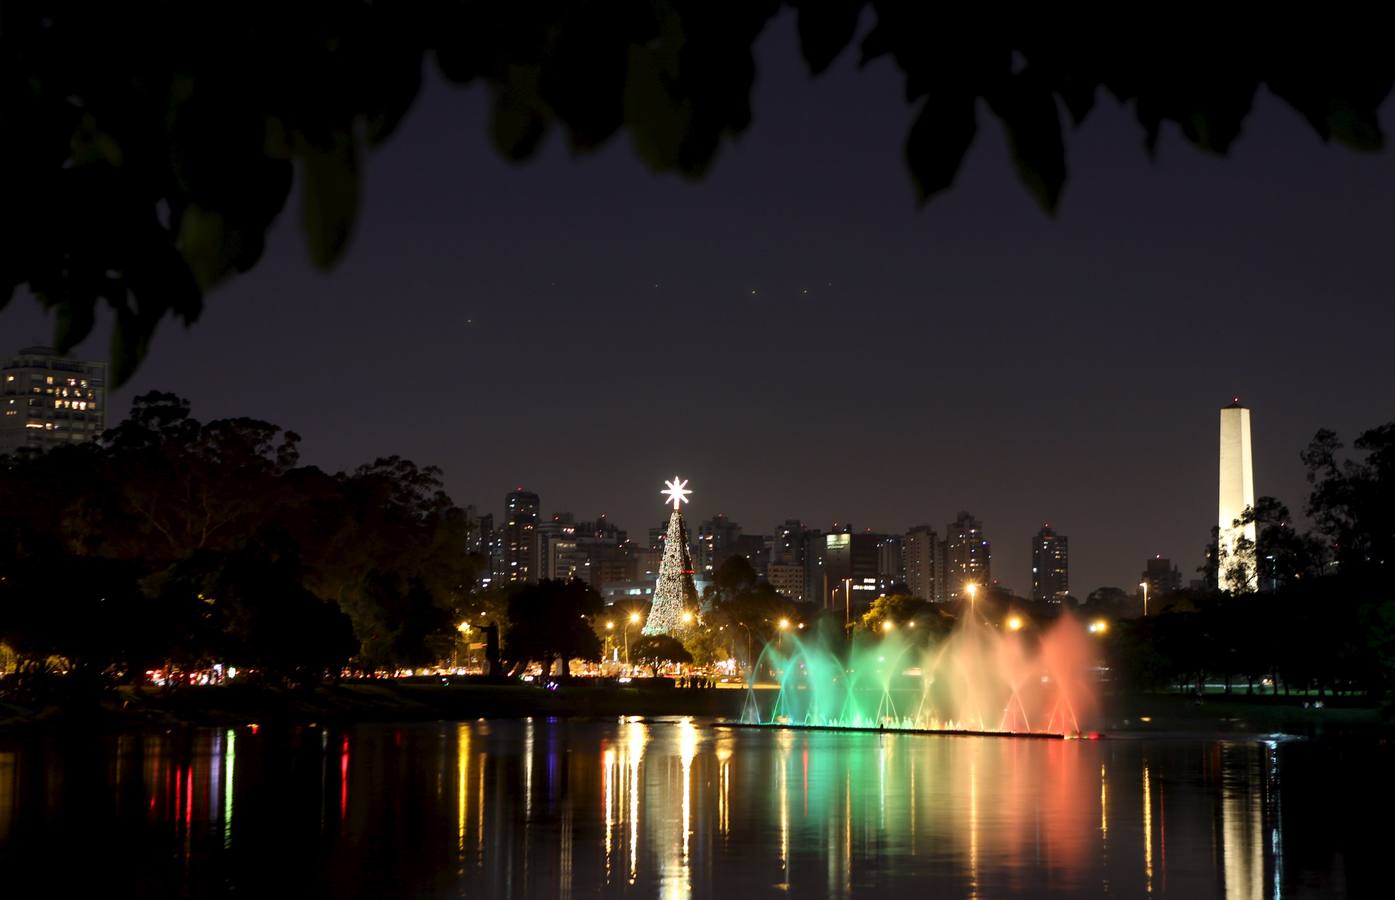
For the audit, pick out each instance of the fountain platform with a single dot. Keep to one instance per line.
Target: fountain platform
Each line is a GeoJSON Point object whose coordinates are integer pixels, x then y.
{"type": "Point", "coordinates": [949, 732]}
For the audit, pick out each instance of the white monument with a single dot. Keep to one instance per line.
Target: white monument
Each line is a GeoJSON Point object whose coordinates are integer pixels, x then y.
{"type": "Point", "coordinates": [1237, 494]}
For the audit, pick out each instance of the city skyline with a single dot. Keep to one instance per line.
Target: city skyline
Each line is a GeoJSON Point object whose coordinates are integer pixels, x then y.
{"type": "Point", "coordinates": [842, 356]}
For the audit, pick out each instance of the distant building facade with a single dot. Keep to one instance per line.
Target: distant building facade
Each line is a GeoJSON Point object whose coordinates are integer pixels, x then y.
{"type": "Point", "coordinates": [48, 400]}
{"type": "Point", "coordinates": [1161, 576]}
{"type": "Point", "coordinates": [1050, 566]}
{"type": "Point", "coordinates": [918, 552]}
{"type": "Point", "coordinates": [966, 556]}
{"type": "Point", "coordinates": [850, 571]}
{"type": "Point", "coordinates": [520, 536]}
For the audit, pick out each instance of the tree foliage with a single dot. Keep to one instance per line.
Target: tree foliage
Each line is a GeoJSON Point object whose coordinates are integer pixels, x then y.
{"type": "Point", "coordinates": [217, 545]}
{"type": "Point", "coordinates": [552, 621]}
{"type": "Point", "coordinates": [657, 649]}
{"type": "Point", "coordinates": [161, 141]}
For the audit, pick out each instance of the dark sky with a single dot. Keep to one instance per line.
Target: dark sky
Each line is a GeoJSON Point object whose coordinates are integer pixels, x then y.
{"type": "Point", "coordinates": [799, 340]}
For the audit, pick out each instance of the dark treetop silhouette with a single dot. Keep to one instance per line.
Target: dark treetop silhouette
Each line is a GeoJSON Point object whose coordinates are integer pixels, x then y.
{"type": "Point", "coordinates": [150, 147]}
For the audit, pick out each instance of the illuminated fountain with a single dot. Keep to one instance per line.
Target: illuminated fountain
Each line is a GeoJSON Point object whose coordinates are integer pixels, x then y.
{"type": "Point", "coordinates": [978, 679]}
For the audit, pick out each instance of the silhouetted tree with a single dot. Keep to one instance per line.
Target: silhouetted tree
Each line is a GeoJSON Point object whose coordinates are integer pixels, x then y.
{"type": "Point", "coordinates": [658, 649]}
{"type": "Point", "coordinates": [552, 620]}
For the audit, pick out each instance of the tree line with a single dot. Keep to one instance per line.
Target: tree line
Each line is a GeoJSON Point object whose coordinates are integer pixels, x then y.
{"type": "Point", "coordinates": [1320, 616]}
{"type": "Point", "coordinates": [178, 543]}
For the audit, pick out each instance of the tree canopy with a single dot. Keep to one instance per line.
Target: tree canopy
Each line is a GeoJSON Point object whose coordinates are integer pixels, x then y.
{"type": "Point", "coordinates": [151, 146]}
{"type": "Point", "coordinates": [213, 543]}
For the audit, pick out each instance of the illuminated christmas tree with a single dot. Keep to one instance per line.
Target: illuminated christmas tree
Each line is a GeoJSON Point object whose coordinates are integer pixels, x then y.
{"type": "Point", "coordinates": [675, 591]}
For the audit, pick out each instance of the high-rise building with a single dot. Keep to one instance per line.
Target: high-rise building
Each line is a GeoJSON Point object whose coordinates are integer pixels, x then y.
{"type": "Point", "coordinates": [756, 549]}
{"type": "Point", "coordinates": [918, 556]}
{"type": "Point", "coordinates": [717, 540]}
{"type": "Point", "coordinates": [520, 536]}
{"type": "Point", "coordinates": [966, 556]}
{"type": "Point", "coordinates": [891, 565]}
{"type": "Point", "coordinates": [850, 571]}
{"type": "Point", "coordinates": [1050, 566]}
{"type": "Point", "coordinates": [1237, 493]}
{"type": "Point", "coordinates": [787, 543]}
{"type": "Point", "coordinates": [1161, 576]}
{"type": "Point", "coordinates": [812, 541]}
{"type": "Point", "coordinates": [48, 400]}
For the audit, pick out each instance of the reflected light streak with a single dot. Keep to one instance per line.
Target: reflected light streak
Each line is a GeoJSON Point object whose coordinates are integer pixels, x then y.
{"type": "Point", "coordinates": [638, 735]}
{"type": "Point", "coordinates": [608, 798]}
{"type": "Point", "coordinates": [687, 749]}
{"type": "Point", "coordinates": [724, 744]}
{"type": "Point", "coordinates": [1148, 828]}
{"type": "Point", "coordinates": [1104, 805]}
{"type": "Point", "coordinates": [528, 769]}
{"type": "Point", "coordinates": [344, 778]}
{"type": "Point", "coordinates": [973, 828]}
{"type": "Point", "coordinates": [230, 760]}
{"type": "Point", "coordinates": [462, 799]}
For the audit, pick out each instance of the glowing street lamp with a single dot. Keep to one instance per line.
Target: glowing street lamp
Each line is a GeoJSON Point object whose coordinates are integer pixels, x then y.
{"type": "Point", "coordinates": [1098, 627]}
{"type": "Point", "coordinates": [687, 617]}
{"type": "Point", "coordinates": [783, 624]}
{"type": "Point", "coordinates": [1144, 585]}
{"type": "Point", "coordinates": [633, 620]}
{"type": "Point", "coordinates": [1014, 623]}
{"type": "Point", "coordinates": [887, 625]}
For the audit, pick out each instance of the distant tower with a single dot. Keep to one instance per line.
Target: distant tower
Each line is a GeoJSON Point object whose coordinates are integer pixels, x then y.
{"type": "Point", "coordinates": [675, 590]}
{"type": "Point", "coordinates": [1237, 494]}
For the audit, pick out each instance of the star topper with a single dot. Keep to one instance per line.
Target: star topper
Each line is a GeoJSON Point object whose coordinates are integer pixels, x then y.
{"type": "Point", "coordinates": [677, 491]}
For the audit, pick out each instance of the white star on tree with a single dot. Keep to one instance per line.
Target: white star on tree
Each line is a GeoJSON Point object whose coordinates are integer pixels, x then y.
{"type": "Point", "coordinates": [677, 491]}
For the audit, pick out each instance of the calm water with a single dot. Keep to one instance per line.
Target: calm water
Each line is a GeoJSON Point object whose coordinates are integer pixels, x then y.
{"type": "Point", "coordinates": [685, 808]}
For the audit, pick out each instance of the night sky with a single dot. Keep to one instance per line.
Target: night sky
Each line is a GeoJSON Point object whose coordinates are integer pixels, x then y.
{"type": "Point", "coordinates": [800, 341]}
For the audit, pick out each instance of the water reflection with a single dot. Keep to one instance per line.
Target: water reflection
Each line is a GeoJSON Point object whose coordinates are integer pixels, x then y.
{"type": "Point", "coordinates": [677, 808]}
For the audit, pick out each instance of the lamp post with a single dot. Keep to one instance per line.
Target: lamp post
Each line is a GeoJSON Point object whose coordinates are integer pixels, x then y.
{"type": "Point", "coordinates": [847, 603]}
{"type": "Point", "coordinates": [1144, 585]}
{"type": "Point", "coordinates": [609, 628]}
{"type": "Point", "coordinates": [783, 625]}
{"type": "Point", "coordinates": [633, 620]}
{"type": "Point", "coordinates": [972, 590]}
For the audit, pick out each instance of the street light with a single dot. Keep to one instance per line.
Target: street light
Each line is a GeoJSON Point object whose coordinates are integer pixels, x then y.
{"type": "Point", "coordinates": [1144, 585]}
{"type": "Point", "coordinates": [633, 620]}
{"type": "Point", "coordinates": [887, 624]}
{"type": "Point", "coordinates": [1014, 623]}
{"type": "Point", "coordinates": [783, 625]}
{"type": "Point", "coordinates": [847, 603]}
{"type": "Point", "coordinates": [687, 617]}
{"type": "Point", "coordinates": [1098, 627]}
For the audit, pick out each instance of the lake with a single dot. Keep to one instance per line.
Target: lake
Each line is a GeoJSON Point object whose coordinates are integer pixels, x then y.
{"type": "Point", "coordinates": [680, 808]}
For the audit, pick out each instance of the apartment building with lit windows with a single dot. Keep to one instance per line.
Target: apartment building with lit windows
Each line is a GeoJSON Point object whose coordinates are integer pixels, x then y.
{"type": "Point", "coordinates": [48, 400]}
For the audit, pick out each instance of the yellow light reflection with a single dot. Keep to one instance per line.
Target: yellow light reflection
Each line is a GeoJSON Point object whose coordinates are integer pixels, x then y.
{"type": "Point", "coordinates": [1148, 828]}
{"type": "Point", "coordinates": [1104, 805]}
{"type": "Point", "coordinates": [637, 737]}
{"type": "Point", "coordinates": [462, 766]}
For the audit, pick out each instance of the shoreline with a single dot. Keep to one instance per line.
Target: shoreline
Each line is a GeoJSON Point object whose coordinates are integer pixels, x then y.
{"type": "Point", "coordinates": [429, 700]}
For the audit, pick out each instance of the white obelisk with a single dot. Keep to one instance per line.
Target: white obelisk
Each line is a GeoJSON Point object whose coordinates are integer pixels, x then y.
{"type": "Point", "coordinates": [1237, 494]}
